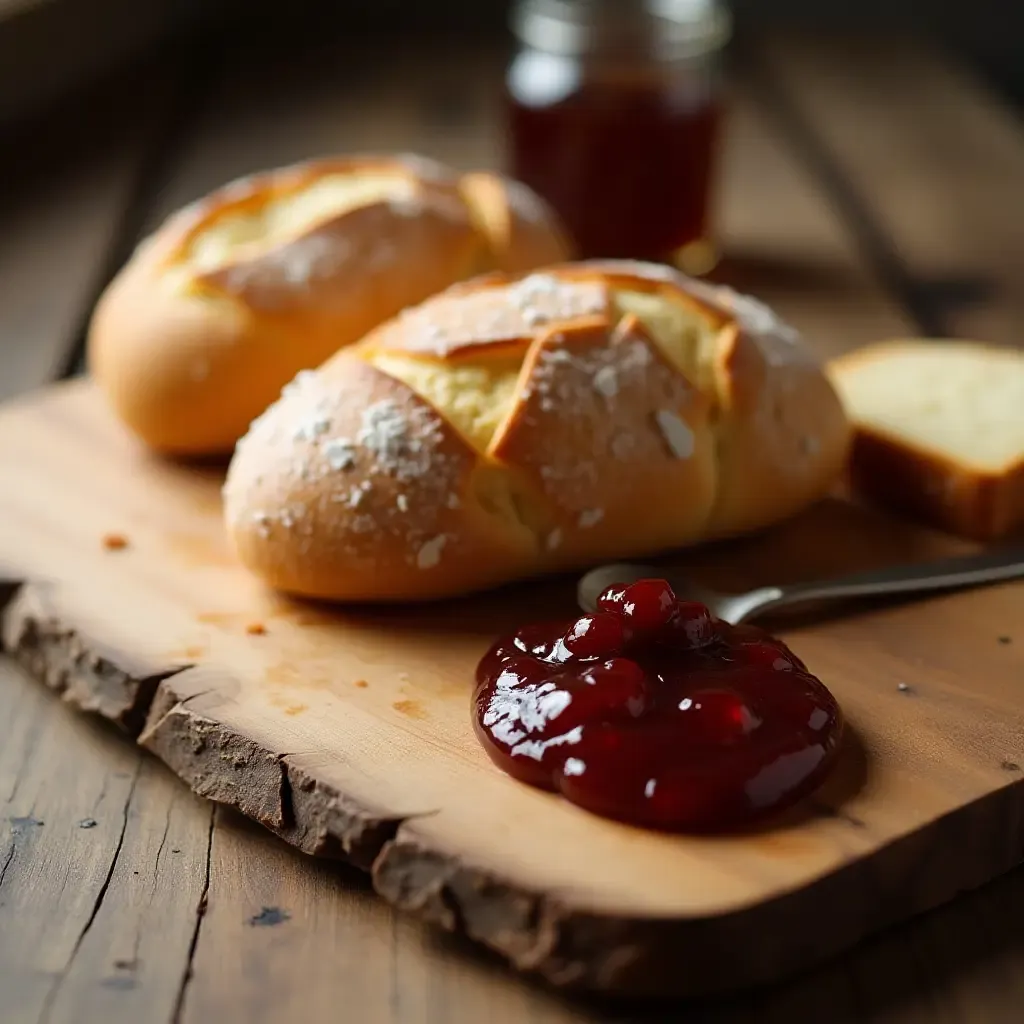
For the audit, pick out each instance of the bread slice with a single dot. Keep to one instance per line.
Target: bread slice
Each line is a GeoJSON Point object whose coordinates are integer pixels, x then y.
{"type": "Point", "coordinates": [939, 431]}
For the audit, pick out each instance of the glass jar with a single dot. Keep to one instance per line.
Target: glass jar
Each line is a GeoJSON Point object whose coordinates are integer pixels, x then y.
{"type": "Point", "coordinates": [613, 115]}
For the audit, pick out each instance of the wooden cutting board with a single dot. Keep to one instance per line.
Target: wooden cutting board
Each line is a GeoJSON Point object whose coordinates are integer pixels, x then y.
{"type": "Point", "coordinates": [348, 732]}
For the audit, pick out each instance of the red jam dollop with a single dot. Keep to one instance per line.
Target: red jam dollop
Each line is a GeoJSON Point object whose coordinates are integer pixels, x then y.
{"type": "Point", "coordinates": [652, 712]}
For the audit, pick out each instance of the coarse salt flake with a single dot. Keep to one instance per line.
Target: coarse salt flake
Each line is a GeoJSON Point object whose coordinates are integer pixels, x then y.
{"type": "Point", "coordinates": [429, 553]}
{"type": "Point", "coordinates": [401, 449]}
{"type": "Point", "coordinates": [340, 453]}
{"type": "Point", "coordinates": [298, 383]}
{"type": "Point", "coordinates": [311, 429]}
{"type": "Point", "coordinates": [606, 381]}
{"type": "Point", "coordinates": [677, 434]}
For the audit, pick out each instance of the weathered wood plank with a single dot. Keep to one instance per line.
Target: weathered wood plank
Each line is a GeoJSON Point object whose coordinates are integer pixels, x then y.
{"type": "Point", "coordinates": [324, 947]}
{"type": "Point", "coordinates": [932, 157]}
{"type": "Point", "coordinates": [54, 871]}
{"type": "Point", "coordinates": [102, 866]}
{"type": "Point", "coordinates": [785, 241]}
{"type": "Point", "coordinates": [130, 964]}
{"type": "Point", "coordinates": [273, 106]}
{"type": "Point", "coordinates": [63, 206]}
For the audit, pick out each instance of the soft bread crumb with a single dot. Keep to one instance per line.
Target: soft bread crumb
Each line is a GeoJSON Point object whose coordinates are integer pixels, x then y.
{"type": "Point", "coordinates": [682, 333]}
{"type": "Point", "coordinates": [475, 398]}
{"type": "Point", "coordinates": [958, 400]}
{"type": "Point", "coordinates": [939, 432]}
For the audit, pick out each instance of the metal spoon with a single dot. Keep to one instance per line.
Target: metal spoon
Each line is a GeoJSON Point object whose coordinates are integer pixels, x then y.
{"type": "Point", "coordinates": [947, 574]}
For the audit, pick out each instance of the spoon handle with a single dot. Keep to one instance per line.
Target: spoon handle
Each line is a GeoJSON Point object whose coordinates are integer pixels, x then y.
{"type": "Point", "coordinates": [946, 574]}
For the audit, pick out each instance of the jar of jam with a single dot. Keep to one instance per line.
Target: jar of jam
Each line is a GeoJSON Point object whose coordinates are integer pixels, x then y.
{"type": "Point", "coordinates": [613, 115]}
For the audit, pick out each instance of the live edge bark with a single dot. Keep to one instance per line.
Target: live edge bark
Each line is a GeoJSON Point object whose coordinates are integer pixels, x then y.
{"type": "Point", "coordinates": [537, 932]}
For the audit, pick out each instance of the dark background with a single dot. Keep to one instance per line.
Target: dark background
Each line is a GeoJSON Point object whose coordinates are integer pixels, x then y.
{"type": "Point", "coordinates": [51, 47]}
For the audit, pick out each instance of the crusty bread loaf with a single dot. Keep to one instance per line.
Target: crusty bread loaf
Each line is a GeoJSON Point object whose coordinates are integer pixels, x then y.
{"type": "Point", "coordinates": [233, 295]}
{"type": "Point", "coordinates": [939, 431]}
{"type": "Point", "coordinates": [516, 425]}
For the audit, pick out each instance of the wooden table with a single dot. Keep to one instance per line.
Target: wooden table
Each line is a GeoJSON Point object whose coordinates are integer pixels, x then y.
{"type": "Point", "coordinates": [869, 191]}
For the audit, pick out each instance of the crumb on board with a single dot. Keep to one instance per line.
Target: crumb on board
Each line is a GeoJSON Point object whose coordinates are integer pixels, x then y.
{"type": "Point", "coordinates": [361, 683]}
{"type": "Point", "coordinates": [256, 629]}
{"type": "Point", "coordinates": [115, 541]}
{"type": "Point", "coordinates": [409, 707]}
{"type": "Point", "coordinates": [903, 687]}
{"type": "Point", "coordinates": [1005, 640]}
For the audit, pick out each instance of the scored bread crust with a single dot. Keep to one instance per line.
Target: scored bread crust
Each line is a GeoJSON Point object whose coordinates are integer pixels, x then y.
{"type": "Point", "coordinates": [597, 432]}
{"type": "Point", "coordinates": [925, 483]}
{"type": "Point", "coordinates": [189, 348]}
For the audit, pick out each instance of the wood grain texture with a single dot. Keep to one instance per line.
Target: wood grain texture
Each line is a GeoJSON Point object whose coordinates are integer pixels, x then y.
{"type": "Point", "coordinates": [90, 884]}
{"type": "Point", "coordinates": [926, 800]}
{"type": "Point", "coordinates": [784, 239]}
{"type": "Point", "coordinates": [70, 187]}
{"type": "Point", "coordinates": [270, 916]}
{"type": "Point", "coordinates": [930, 155]}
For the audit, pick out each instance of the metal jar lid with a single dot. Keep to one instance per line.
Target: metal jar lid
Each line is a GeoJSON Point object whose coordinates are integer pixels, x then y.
{"type": "Point", "coordinates": [672, 28]}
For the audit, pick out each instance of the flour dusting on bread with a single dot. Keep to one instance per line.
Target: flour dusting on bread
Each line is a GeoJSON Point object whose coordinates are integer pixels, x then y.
{"type": "Point", "coordinates": [516, 425]}
{"type": "Point", "coordinates": [322, 446]}
{"type": "Point", "coordinates": [457, 319]}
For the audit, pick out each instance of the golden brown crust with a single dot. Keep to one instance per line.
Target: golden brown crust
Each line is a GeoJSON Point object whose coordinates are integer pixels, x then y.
{"type": "Point", "coordinates": [354, 477]}
{"type": "Point", "coordinates": [523, 230]}
{"type": "Point", "coordinates": [190, 341]}
{"type": "Point", "coordinates": [570, 438]}
{"type": "Point", "coordinates": [590, 434]}
{"type": "Point", "coordinates": [935, 490]}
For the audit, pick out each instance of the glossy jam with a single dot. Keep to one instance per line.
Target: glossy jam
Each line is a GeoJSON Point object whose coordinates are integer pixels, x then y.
{"type": "Point", "coordinates": [627, 164]}
{"type": "Point", "coordinates": [652, 713]}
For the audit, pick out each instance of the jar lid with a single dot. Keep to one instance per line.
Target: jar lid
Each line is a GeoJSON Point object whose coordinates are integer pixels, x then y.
{"type": "Point", "coordinates": [675, 28]}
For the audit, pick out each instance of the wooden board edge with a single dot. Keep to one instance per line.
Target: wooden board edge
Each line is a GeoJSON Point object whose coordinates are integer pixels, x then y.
{"type": "Point", "coordinates": [541, 934]}
{"type": "Point", "coordinates": [230, 768]}
{"type": "Point", "coordinates": [701, 957]}
{"type": "Point", "coordinates": [83, 671]}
